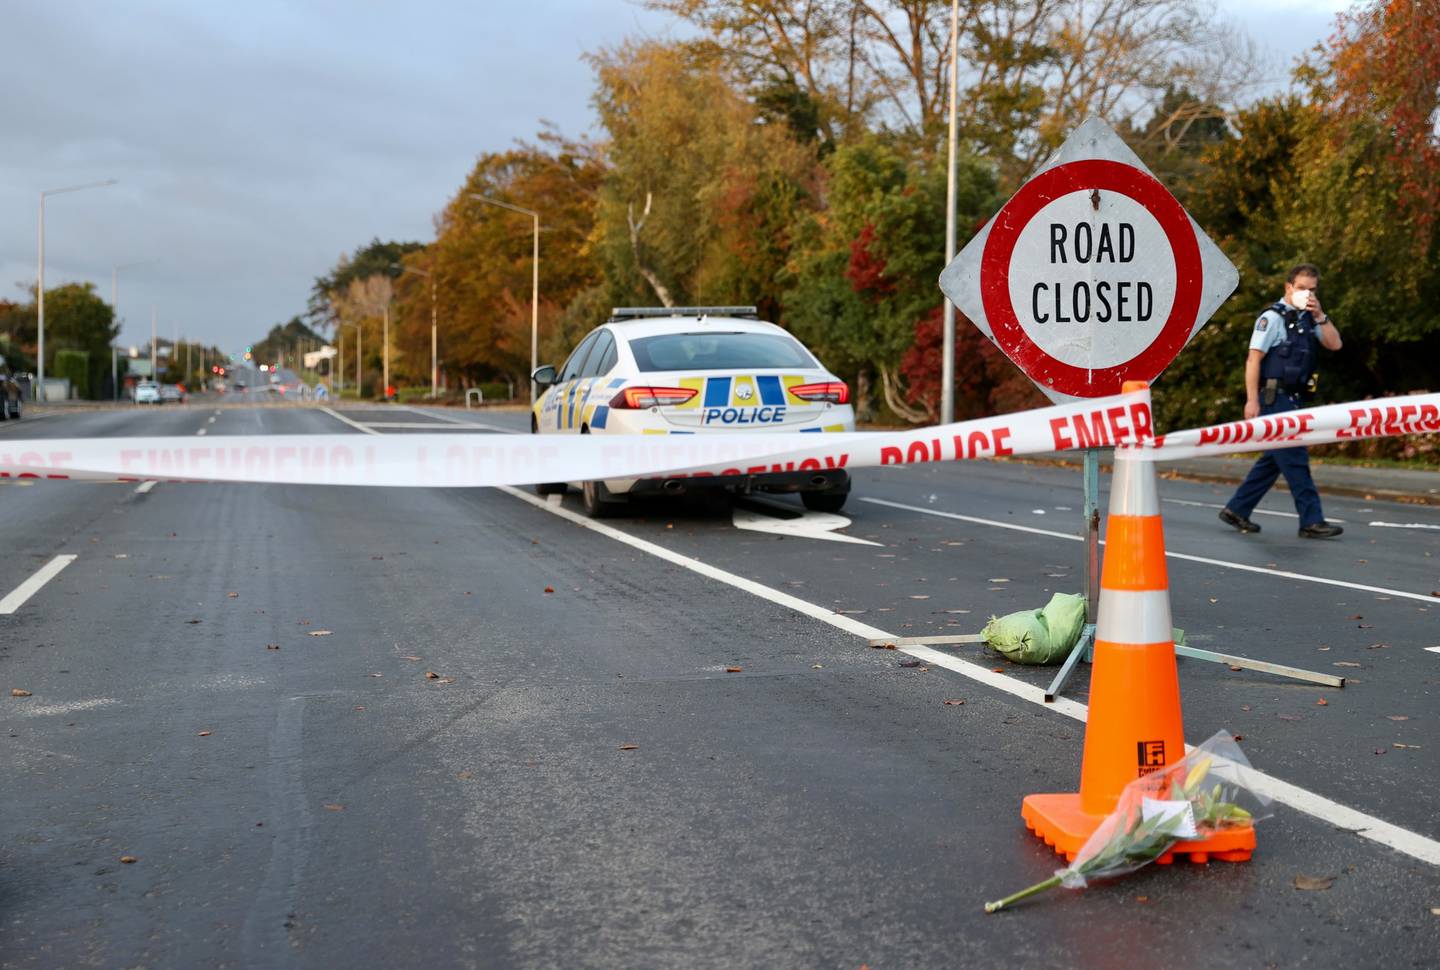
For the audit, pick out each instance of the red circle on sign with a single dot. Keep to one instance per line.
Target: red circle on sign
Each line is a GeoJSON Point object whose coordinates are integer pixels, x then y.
{"type": "Point", "coordinates": [1088, 174]}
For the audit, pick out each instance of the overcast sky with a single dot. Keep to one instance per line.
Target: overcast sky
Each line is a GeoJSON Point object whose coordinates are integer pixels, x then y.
{"type": "Point", "coordinates": [254, 142]}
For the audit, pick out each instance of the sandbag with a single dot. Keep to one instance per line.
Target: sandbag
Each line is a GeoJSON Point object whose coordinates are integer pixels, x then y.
{"type": "Point", "coordinates": [1043, 636]}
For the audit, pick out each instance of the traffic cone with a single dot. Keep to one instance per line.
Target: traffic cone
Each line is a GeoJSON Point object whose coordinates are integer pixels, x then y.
{"type": "Point", "coordinates": [1134, 726]}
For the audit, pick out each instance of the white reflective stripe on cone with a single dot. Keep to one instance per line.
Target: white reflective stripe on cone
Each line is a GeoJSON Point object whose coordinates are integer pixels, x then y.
{"type": "Point", "coordinates": [1132, 485]}
{"type": "Point", "coordinates": [1129, 616]}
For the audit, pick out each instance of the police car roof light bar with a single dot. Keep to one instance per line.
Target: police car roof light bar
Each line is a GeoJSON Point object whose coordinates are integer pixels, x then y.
{"type": "Point", "coordinates": [640, 312]}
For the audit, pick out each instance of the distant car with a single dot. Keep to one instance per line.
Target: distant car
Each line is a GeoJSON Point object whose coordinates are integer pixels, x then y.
{"type": "Point", "coordinates": [694, 370]}
{"type": "Point", "coordinates": [10, 394]}
{"type": "Point", "coordinates": [147, 392]}
{"type": "Point", "coordinates": [172, 392]}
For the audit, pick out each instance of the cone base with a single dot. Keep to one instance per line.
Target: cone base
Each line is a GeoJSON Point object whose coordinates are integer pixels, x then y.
{"type": "Point", "coordinates": [1058, 819]}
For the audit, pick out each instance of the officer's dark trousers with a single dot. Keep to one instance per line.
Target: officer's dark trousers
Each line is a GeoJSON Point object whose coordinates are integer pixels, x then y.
{"type": "Point", "coordinates": [1293, 463]}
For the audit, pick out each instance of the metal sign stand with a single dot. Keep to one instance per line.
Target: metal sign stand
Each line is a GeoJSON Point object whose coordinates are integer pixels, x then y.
{"type": "Point", "coordinates": [1085, 646]}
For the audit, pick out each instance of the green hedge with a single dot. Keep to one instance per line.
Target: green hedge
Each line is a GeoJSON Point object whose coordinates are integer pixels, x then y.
{"type": "Point", "coordinates": [74, 364]}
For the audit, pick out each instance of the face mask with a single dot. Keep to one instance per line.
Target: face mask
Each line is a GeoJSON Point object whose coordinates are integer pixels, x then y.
{"type": "Point", "coordinates": [1300, 299]}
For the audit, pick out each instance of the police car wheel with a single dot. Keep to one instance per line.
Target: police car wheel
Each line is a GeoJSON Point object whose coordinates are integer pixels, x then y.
{"type": "Point", "coordinates": [546, 488]}
{"type": "Point", "coordinates": [827, 501]}
{"type": "Point", "coordinates": [598, 501]}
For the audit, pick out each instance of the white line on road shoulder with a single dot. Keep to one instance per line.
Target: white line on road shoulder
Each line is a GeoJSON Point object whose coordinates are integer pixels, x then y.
{"type": "Point", "coordinates": [1400, 525]}
{"type": "Point", "coordinates": [1187, 557]}
{"type": "Point", "coordinates": [144, 487]}
{"type": "Point", "coordinates": [32, 585]}
{"type": "Point", "coordinates": [1410, 843]}
{"type": "Point", "coordinates": [354, 424]}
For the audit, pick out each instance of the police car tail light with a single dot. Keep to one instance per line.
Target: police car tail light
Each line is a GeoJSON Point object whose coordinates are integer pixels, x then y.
{"type": "Point", "coordinates": [833, 391]}
{"type": "Point", "coordinates": [640, 398]}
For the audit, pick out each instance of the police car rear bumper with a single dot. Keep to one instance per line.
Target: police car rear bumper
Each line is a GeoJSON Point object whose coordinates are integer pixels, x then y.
{"type": "Point", "coordinates": [819, 480]}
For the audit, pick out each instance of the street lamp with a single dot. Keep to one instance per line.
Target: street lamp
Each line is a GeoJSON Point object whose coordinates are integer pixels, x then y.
{"type": "Point", "coordinates": [534, 284]}
{"type": "Point", "coordinates": [115, 308]}
{"type": "Point", "coordinates": [434, 358]}
{"type": "Point", "coordinates": [40, 281]}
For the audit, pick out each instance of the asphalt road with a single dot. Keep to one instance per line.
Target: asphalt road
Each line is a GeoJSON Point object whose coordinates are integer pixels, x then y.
{"type": "Point", "coordinates": [230, 685]}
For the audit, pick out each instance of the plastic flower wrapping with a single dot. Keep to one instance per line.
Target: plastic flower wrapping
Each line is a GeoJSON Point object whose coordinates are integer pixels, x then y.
{"type": "Point", "coordinates": [1211, 789]}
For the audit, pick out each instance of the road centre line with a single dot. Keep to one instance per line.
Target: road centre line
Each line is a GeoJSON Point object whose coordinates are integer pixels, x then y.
{"type": "Point", "coordinates": [1401, 525]}
{"type": "Point", "coordinates": [33, 585]}
{"type": "Point", "coordinates": [1367, 826]}
{"type": "Point", "coordinates": [1215, 505]}
{"type": "Point", "coordinates": [354, 424]}
{"type": "Point", "coordinates": [1204, 560]}
{"type": "Point", "coordinates": [144, 487]}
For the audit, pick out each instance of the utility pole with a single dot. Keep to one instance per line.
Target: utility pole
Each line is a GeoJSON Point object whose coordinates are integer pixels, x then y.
{"type": "Point", "coordinates": [40, 285]}
{"type": "Point", "coordinates": [947, 366]}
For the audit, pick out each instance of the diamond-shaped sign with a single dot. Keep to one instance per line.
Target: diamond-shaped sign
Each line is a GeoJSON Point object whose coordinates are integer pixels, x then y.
{"type": "Point", "coordinates": [1092, 274]}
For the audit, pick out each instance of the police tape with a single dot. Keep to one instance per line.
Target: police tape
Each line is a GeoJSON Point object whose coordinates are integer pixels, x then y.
{"type": "Point", "coordinates": [1304, 427]}
{"type": "Point", "coordinates": [461, 460]}
{"type": "Point", "coordinates": [468, 460]}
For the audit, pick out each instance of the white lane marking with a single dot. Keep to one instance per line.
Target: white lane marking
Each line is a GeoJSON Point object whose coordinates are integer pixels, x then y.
{"type": "Point", "coordinates": [1433, 649]}
{"type": "Point", "coordinates": [810, 525]}
{"type": "Point", "coordinates": [1399, 525]}
{"type": "Point", "coordinates": [427, 425]}
{"type": "Point", "coordinates": [201, 431]}
{"type": "Point", "coordinates": [354, 424]}
{"type": "Point", "coordinates": [1205, 560]}
{"type": "Point", "coordinates": [69, 707]}
{"type": "Point", "coordinates": [1367, 826]}
{"type": "Point", "coordinates": [431, 414]}
{"type": "Point", "coordinates": [144, 487]}
{"type": "Point", "coordinates": [1216, 505]}
{"type": "Point", "coordinates": [32, 585]}
{"type": "Point", "coordinates": [554, 499]}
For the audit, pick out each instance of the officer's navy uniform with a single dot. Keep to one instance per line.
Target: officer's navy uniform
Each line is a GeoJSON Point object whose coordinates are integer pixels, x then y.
{"type": "Point", "coordinates": [1287, 338]}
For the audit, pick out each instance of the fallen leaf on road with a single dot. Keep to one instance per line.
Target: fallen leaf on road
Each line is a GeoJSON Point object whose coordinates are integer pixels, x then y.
{"type": "Point", "coordinates": [1244, 707]}
{"type": "Point", "coordinates": [920, 596]}
{"type": "Point", "coordinates": [1322, 702]}
{"type": "Point", "coordinates": [1435, 910]}
{"type": "Point", "coordinates": [204, 734]}
{"type": "Point", "coordinates": [1398, 717]}
{"type": "Point", "coordinates": [1364, 626]}
{"type": "Point", "coordinates": [318, 633]}
{"type": "Point", "coordinates": [1288, 717]}
{"type": "Point", "coordinates": [194, 621]}
{"type": "Point", "coordinates": [998, 579]}
{"type": "Point", "coordinates": [1344, 663]}
{"type": "Point", "coordinates": [128, 859]}
{"type": "Point", "coordinates": [377, 557]}
{"type": "Point", "coordinates": [882, 646]}
{"type": "Point", "coordinates": [1214, 600]}
{"type": "Point", "coordinates": [997, 670]}
{"type": "Point", "coordinates": [446, 680]}
{"type": "Point", "coordinates": [272, 646]}
{"type": "Point", "coordinates": [121, 555]}
{"type": "Point", "coordinates": [431, 675]}
{"type": "Point", "coordinates": [465, 775]}
{"type": "Point", "coordinates": [851, 612]}
{"type": "Point", "coordinates": [1239, 737]}
{"type": "Point", "coordinates": [332, 807]}
{"type": "Point", "coordinates": [1233, 667]}
{"type": "Point", "coordinates": [955, 703]}
{"type": "Point", "coordinates": [1314, 883]}
{"type": "Point", "coordinates": [17, 692]}
{"type": "Point", "coordinates": [359, 707]}
{"type": "Point", "coordinates": [732, 670]}
{"type": "Point", "coordinates": [909, 663]}
{"type": "Point", "coordinates": [233, 596]}
{"type": "Point", "coordinates": [375, 675]}
{"type": "Point", "coordinates": [1378, 646]}
{"type": "Point", "coordinates": [1357, 616]}
{"type": "Point", "coordinates": [1412, 747]}
{"type": "Point", "coordinates": [549, 589]}
{"type": "Point", "coordinates": [817, 666]}
{"type": "Point", "coordinates": [628, 747]}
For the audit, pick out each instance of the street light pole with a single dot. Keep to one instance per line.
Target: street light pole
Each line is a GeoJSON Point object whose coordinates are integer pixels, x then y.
{"type": "Point", "coordinates": [434, 344]}
{"type": "Point", "coordinates": [534, 283]}
{"type": "Point", "coordinates": [40, 284]}
{"type": "Point", "coordinates": [947, 367]}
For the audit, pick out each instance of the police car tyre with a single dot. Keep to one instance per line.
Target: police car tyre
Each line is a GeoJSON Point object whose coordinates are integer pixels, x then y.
{"type": "Point", "coordinates": [828, 501]}
{"type": "Point", "coordinates": [599, 502]}
{"type": "Point", "coordinates": [547, 488]}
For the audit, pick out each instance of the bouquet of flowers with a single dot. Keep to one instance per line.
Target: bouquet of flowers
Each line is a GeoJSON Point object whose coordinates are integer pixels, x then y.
{"type": "Point", "coordinates": [1210, 789]}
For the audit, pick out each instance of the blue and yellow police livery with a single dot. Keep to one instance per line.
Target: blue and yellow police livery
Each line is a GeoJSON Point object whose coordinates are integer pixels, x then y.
{"type": "Point", "coordinates": [694, 370]}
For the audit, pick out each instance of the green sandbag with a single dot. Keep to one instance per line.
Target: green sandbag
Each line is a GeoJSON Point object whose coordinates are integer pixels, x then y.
{"type": "Point", "coordinates": [1044, 636]}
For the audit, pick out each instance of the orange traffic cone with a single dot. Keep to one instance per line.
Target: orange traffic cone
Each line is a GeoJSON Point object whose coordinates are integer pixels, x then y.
{"type": "Point", "coordinates": [1134, 726]}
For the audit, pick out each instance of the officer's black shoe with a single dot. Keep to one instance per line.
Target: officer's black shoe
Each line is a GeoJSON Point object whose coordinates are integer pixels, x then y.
{"type": "Point", "coordinates": [1231, 519]}
{"type": "Point", "coordinates": [1321, 530]}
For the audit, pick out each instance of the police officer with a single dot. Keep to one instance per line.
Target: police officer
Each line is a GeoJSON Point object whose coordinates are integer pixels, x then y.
{"type": "Point", "coordinates": [1279, 373]}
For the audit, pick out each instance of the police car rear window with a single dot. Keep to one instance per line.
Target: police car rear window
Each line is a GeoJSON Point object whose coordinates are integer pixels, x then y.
{"type": "Point", "coordinates": [719, 351]}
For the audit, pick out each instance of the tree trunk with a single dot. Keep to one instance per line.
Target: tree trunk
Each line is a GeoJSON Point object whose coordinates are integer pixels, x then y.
{"type": "Point", "coordinates": [890, 385]}
{"type": "Point", "coordinates": [660, 289]}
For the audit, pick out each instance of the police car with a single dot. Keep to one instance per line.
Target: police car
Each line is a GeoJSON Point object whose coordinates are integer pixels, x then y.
{"type": "Point", "coordinates": [694, 370]}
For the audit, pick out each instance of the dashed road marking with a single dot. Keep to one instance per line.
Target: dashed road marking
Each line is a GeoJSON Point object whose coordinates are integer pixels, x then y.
{"type": "Point", "coordinates": [1204, 560]}
{"type": "Point", "coordinates": [1433, 649]}
{"type": "Point", "coordinates": [33, 585]}
{"type": "Point", "coordinates": [1377, 830]}
{"type": "Point", "coordinates": [144, 487]}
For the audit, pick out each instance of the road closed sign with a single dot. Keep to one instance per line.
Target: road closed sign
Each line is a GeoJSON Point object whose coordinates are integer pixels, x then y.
{"type": "Point", "coordinates": [1093, 274]}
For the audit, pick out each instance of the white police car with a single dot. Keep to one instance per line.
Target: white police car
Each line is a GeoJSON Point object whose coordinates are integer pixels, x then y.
{"type": "Point", "coordinates": [694, 370]}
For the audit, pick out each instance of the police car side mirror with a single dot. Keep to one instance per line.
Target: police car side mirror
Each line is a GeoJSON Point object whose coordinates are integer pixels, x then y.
{"type": "Point", "coordinates": [544, 376]}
